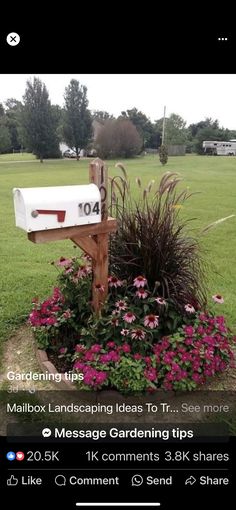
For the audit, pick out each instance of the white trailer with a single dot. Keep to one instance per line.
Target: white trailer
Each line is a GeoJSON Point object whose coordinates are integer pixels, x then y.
{"type": "Point", "coordinates": [220, 148]}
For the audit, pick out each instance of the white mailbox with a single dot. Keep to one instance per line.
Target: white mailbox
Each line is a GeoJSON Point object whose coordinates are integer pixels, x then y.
{"type": "Point", "coordinates": [55, 207]}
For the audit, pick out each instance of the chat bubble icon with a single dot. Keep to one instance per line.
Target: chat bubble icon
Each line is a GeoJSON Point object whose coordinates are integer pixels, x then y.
{"type": "Point", "coordinates": [60, 480]}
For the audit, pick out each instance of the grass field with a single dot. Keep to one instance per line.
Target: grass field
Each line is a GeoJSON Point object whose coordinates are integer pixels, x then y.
{"type": "Point", "coordinates": [25, 269]}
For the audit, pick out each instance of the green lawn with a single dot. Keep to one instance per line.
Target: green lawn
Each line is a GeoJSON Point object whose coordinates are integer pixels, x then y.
{"type": "Point", "coordinates": [25, 269]}
{"type": "Point", "coordinates": [19, 156]}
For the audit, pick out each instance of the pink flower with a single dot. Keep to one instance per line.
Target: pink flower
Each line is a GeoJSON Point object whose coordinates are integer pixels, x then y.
{"type": "Point", "coordinates": [222, 328]}
{"type": "Point", "coordinates": [141, 293]}
{"type": "Point", "coordinates": [95, 348]}
{"type": "Point", "coordinates": [83, 271]}
{"type": "Point", "coordinates": [116, 312]}
{"type": "Point", "coordinates": [165, 343]}
{"type": "Point", "coordinates": [105, 358]}
{"type": "Point", "coordinates": [189, 341]}
{"type": "Point", "coordinates": [89, 356]}
{"type": "Point", "coordinates": [140, 281]}
{"type": "Point", "coordinates": [197, 377]}
{"type": "Point", "coordinates": [129, 317]}
{"type": "Point", "coordinates": [150, 374]}
{"type": "Point", "coordinates": [114, 282]}
{"type": "Point", "coordinates": [79, 365]}
{"type": "Point", "coordinates": [160, 301]}
{"type": "Point", "coordinates": [137, 356]}
{"type": "Point", "coordinates": [68, 270]}
{"type": "Point", "coordinates": [63, 350]}
{"type": "Point", "coordinates": [62, 262]}
{"type": "Point", "coordinates": [168, 357]}
{"type": "Point", "coordinates": [138, 334]}
{"type": "Point", "coordinates": [101, 377]}
{"type": "Point", "coordinates": [151, 321]}
{"type": "Point", "coordinates": [111, 345]}
{"type": "Point", "coordinates": [51, 321]}
{"type": "Point", "coordinates": [114, 356]}
{"type": "Point", "coordinates": [67, 314]}
{"type": "Point", "coordinates": [86, 257]}
{"type": "Point", "coordinates": [189, 308]}
{"type": "Point", "coordinates": [124, 332]}
{"type": "Point", "coordinates": [89, 376]}
{"type": "Point", "coordinates": [218, 299]}
{"type": "Point", "coordinates": [189, 330]}
{"type": "Point", "coordinates": [121, 305]}
{"type": "Point", "coordinates": [126, 348]}
{"type": "Point", "coordinates": [99, 287]}
{"type": "Point", "coordinates": [79, 348]}
{"type": "Point", "coordinates": [200, 330]}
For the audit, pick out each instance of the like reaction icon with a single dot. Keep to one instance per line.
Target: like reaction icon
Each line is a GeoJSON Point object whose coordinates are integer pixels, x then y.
{"type": "Point", "coordinates": [10, 455]}
{"type": "Point", "coordinates": [12, 481]}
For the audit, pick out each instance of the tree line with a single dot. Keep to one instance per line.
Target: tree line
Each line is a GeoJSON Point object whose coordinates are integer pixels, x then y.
{"type": "Point", "coordinates": [39, 126]}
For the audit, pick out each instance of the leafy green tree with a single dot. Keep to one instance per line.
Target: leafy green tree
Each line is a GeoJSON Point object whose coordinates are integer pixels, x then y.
{"type": "Point", "coordinates": [208, 129]}
{"type": "Point", "coordinates": [175, 129]}
{"type": "Point", "coordinates": [13, 120]}
{"type": "Point", "coordinates": [77, 121]}
{"type": "Point", "coordinates": [2, 111]}
{"type": "Point", "coordinates": [39, 122]}
{"type": "Point", "coordinates": [101, 116]}
{"type": "Point", "coordinates": [5, 138]}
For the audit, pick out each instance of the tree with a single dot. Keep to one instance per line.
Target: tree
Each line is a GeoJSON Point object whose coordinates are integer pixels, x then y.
{"type": "Point", "coordinates": [207, 129]}
{"type": "Point", "coordinates": [5, 138]}
{"type": "Point", "coordinates": [118, 138]}
{"type": "Point", "coordinates": [77, 122]}
{"type": "Point", "coordinates": [175, 129]}
{"type": "Point", "coordinates": [2, 111]}
{"type": "Point", "coordinates": [143, 125]}
{"type": "Point", "coordinates": [101, 116]}
{"type": "Point", "coordinates": [39, 121]}
{"type": "Point", "coordinates": [13, 121]}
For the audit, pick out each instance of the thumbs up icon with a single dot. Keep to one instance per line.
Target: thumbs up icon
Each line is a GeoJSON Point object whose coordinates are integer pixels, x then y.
{"type": "Point", "coordinates": [12, 481]}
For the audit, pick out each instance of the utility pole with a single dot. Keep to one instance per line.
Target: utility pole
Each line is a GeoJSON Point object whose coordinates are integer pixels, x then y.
{"type": "Point", "coordinates": [163, 127]}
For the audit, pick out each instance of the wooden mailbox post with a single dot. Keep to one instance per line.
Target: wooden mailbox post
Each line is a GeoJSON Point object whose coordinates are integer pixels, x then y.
{"type": "Point", "coordinates": [93, 238]}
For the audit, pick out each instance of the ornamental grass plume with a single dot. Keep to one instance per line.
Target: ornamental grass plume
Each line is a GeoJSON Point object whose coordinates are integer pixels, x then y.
{"type": "Point", "coordinates": [152, 239]}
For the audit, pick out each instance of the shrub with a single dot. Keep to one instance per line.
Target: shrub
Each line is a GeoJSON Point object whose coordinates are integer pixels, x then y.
{"type": "Point", "coordinates": [152, 240]}
{"type": "Point", "coordinates": [59, 319]}
{"type": "Point", "coordinates": [163, 154]}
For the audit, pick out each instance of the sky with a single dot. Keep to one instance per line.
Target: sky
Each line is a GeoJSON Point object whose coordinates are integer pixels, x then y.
{"type": "Point", "coordinates": [192, 96]}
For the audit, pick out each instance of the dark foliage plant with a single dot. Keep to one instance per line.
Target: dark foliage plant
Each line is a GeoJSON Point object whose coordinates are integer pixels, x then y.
{"type": "Point", "coordinates": [152, 239]}
{"type": "Point", "coordinates": [163, 154]}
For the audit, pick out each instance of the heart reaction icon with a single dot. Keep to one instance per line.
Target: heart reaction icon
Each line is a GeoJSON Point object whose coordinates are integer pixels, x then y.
{"type": "Point", "coordinates": [20, 456]}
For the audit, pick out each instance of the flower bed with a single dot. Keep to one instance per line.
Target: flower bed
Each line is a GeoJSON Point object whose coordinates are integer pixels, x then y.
{"type": "Point", "coordinates": [133, 346]}
{"type": "Point", "coordinates": [154, 330]}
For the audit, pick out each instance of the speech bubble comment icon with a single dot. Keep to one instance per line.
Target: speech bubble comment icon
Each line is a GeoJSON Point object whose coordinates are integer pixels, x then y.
{"type": "Point", "coordinates": [60, 480]}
